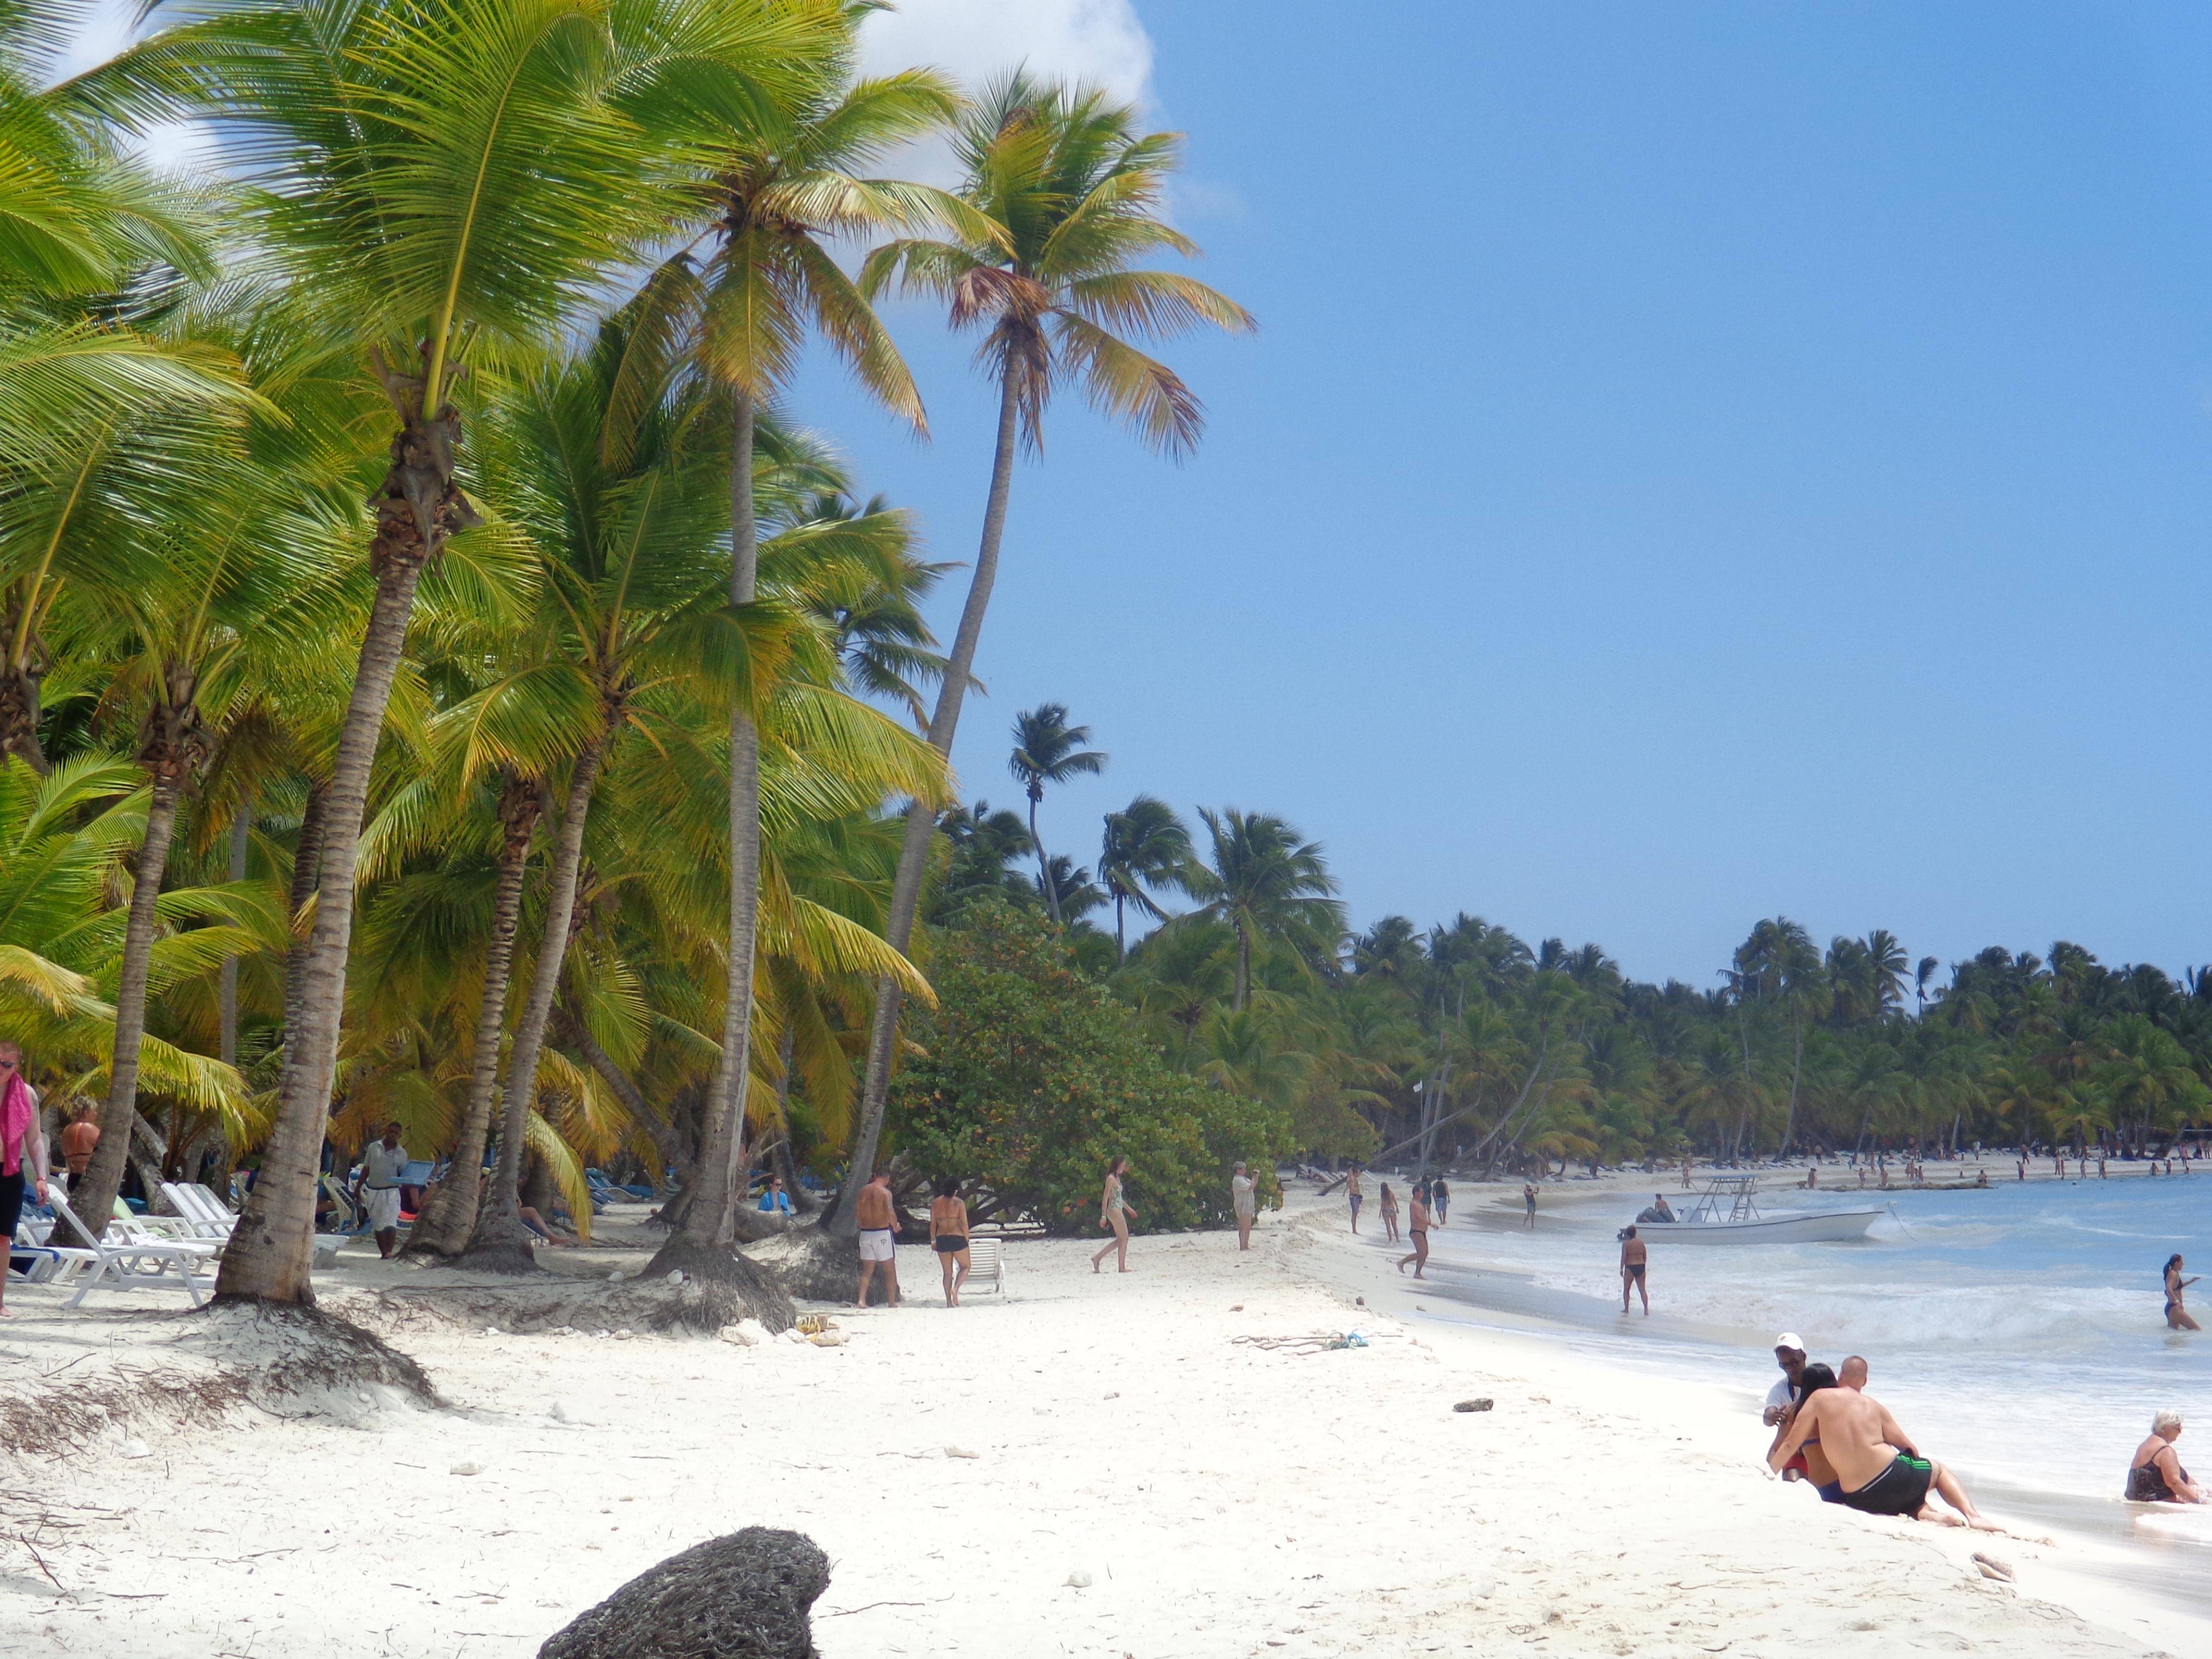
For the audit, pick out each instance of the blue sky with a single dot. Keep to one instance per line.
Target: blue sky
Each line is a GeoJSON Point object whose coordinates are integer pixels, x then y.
{"type": "Point", "coordinates": [1699, 462]}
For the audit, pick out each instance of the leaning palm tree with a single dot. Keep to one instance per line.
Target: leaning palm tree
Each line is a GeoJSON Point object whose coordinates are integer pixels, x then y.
{"type": "Point", "coordinates": [785, 178]}
{"type": "Point", "coordinates": [448, 179]}
{"type": "Point", "coordinates": [1048, 749]}
{"type": "Point", "coordinates": [1267, 884]}
{"type": "Point", "coordinates": [1145, 846]}
{"type": "Point", "coordinates": [1071, 189]}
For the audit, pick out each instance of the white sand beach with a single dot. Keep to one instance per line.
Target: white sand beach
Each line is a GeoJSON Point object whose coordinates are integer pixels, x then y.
{"type": "Point", "coordinates": [1126, 1466]}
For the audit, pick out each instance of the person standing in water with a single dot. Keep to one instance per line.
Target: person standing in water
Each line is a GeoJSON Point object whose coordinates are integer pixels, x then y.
{"type": "Point", "coordinates": [1115, 1215]}
{"type": "Point", "coordinates": [1389, 1205]}
{"type": "Point", "coordinates": [2155, 1473]}
{"type": "Point", "coordinates": [1634, 1254]}
{"type": "Point", "coordinates": [1528, 1203]}
{"type": "Point", "coordinates": [1417, 1223]}
{"type": "Point", "coordinates": [1352, 1191]}
{"type": "Point", "coordinates": [2176, 1315]}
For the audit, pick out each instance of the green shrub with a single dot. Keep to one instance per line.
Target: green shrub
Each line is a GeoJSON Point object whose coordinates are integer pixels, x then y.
{"type": "Point", "coordinates": [1031, 1077]}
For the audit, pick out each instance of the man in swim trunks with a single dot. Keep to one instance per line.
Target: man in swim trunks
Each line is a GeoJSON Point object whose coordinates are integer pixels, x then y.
{"type": "Point", "coordinates": [1634, 1253]}
{"type": "Point", "coordinates": [1351, 1191]}
{"type": "Point", "coordinates": [1879, 1469]}
{"type": "Point", "coordinates": [1528, 1200]}
{"type": "Point", "coordinates": [879, 1219]}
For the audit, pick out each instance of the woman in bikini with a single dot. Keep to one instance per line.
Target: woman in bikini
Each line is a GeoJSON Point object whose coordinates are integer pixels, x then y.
{"type": "Point", "coordinates": [2177, 1316]}
{"type": "Point", "coordinates": [1417, 1223]}
{"type": "Point", "coordinates": [2155, 1473]}
{"type": "Point", "coordinates": [1115, 1215]}
{"type": "Point", "coordinates": [1389, 1205]}
{"type": "Point", "coordinates": [948, 1237]}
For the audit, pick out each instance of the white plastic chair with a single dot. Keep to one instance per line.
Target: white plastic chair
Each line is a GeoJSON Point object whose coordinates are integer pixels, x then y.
{"type": "Point", "coordinates": [129, 1256]}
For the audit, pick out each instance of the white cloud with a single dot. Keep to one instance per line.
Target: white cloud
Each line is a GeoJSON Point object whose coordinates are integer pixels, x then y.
{"type": "Point", "coordinates": [1099, 41]}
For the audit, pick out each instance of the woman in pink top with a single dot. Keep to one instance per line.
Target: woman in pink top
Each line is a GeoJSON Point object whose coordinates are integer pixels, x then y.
{"type": "Point", "coordinates": [22, 1149]}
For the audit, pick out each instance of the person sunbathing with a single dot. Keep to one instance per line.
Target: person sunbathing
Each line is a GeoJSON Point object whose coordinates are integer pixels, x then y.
{"type": "Point", "coordinates": [1879, 1470]}
{"type": "Point", "coordinates": [537, 1225]}
{"type": "Point", "coordinates": [2154, 1474]}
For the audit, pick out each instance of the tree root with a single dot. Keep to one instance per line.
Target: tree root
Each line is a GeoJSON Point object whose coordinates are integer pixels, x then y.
{"type": "Point", "coordinates": [812, 1261]}
{"type": "Point", "coordinates": [698, 1305]}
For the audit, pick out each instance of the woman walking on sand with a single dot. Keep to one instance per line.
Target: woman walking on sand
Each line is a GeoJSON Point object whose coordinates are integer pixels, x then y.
{"type": "Point", "coordinates": [23, 1148]}
{"type": "Point", "coordinates": [1417, 1223]}
{"type": "Point", "coordinates": [1115, 1215]}
{"type": "Point", "coordinates": [1244, 1205]}
{"type": "Point", "coordinates": [2176, 1315]}
{"type": "Point", "coordinates": [1389, 1205]}
{"type": "Point", "coordinates": [948, 1237]}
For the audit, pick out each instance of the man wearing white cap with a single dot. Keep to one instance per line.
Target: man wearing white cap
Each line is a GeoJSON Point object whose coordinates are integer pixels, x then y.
{"type": "Point", "coordinates": [1789, 1354]}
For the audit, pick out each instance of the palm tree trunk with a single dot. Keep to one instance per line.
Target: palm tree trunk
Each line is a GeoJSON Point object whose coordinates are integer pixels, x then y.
{"type": "Point", "coordinates": [1121, 945]}
{"type": "Point", "coordinates": [95, 1196]}
{"type": "Point", "coordinates": [914, 851]}
{"type": "Point", "coordinates": [500, 1241]}
{"type": "Point", "coordinates": [1044, 865]}
{"type": "Point", "coordinates": [1243, 969]}
{"type": "Point", "coordinates": [272, 1244]}
{"type": "Point", "coordinates": [444, 1226]}
{"type": "Point", "coordinates": [242, 842]}
{"type": "Point", "coordinates": [710, 1221]}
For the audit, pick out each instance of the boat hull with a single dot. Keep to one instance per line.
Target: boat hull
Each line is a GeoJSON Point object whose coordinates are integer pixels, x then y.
{"type": "Point", "coordinates": [1827, 1227]}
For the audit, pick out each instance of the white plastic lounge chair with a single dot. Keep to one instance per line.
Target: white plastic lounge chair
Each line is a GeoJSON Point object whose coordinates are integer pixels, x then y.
{"type": "Point", "coordinates": [128, 1257]}
{"type": "Point", "coordinates": [987, 1260]}
{"type": "Point", "coordinates": [206, 1216]}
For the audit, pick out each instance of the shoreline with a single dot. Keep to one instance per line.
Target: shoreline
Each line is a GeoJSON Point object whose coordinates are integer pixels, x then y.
{"type": "Point", "coordinates": [1174, 1436]}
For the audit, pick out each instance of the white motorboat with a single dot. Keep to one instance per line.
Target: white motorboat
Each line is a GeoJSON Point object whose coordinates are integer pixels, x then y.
{"type": "Point", "coordinates": [1726, 1213]}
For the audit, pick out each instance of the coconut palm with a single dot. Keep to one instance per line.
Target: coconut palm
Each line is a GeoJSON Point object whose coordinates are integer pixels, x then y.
{"type": "Point", "coordinates": [216, 590]}
{"type": "Point", "coordinates": [448, 179]}
{"type": "Point", "coordinates": [1145, 847]}
{"type": "Point", "coordinates": [783, 177]}
{"type": "Point", "coordinates": [1065, 193]}
{"type": "Point", "coordinates": [1048, 749]}
{"type": "Point", "coordinates": [1268, 885]}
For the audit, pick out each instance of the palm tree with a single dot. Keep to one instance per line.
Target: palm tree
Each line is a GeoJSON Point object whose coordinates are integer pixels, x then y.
{"type": "Point", "coordinates": [784, 179]}
{"type": "Point", "coordinates": [220, 588]}
{"type": "Point", "coordinates": [1145, 846]}
{"type": "Point", "coordinates": [450, 178]}
{"type": "Point", "coordinates": [1925, 971]}
{"type": "Point", "coordinates": [1267, 884]}
{"type": "Point", "coordinates": [1048, 749]}
{"type": "Point", "coordinates": [1065, 193]}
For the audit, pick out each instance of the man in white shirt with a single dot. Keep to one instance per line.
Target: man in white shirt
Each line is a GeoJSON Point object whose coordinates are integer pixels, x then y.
{"type": "Point", "coordinates": [380, 1165]}
{"type": "Point", "coordinates": [1789, 1355]}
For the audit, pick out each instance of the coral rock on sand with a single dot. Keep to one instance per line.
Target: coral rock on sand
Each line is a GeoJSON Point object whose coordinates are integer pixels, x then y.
{"type": "Point", "coordinates": [744, 1595]}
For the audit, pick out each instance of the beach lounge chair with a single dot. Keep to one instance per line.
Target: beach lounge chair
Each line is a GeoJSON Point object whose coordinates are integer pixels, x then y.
{"type": "Point", "coordinates": [129, 1256]}
{"type": "Point", "coordinates": [986, 1261]}
{"type": "Point", "coordinates": [200, 1210]}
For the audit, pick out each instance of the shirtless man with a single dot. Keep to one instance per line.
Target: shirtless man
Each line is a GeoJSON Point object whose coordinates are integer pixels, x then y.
{"type": "Point", "coordinates": [879, 1220]}
{"type": "Point", "coordinates": [1878, 1467]}
{"type": "Point", "coordinates": [1353, 1192]}
{"type": "Point", "coordinates": [1634, 1253]}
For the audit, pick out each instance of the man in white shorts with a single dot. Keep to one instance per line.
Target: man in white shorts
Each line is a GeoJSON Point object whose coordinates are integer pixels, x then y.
{"type": "Point", "coordinates": [879, 1219]}
{"type": "Point", "coordinates": [380, 1165]}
